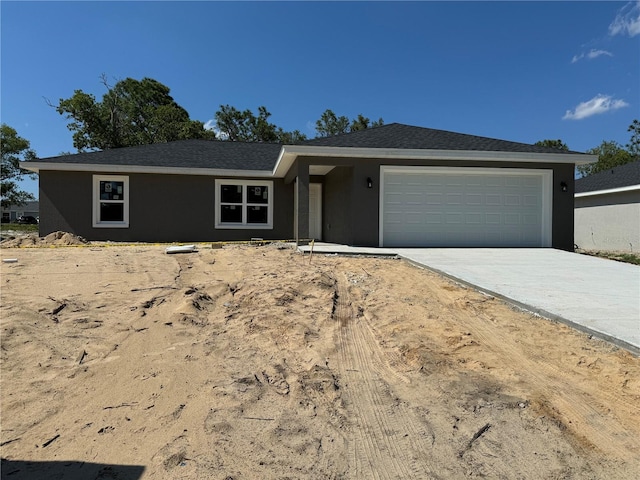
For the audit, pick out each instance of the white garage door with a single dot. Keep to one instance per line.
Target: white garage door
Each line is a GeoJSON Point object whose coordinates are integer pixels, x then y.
{"type": "Point", "coordinates": [465, 207]}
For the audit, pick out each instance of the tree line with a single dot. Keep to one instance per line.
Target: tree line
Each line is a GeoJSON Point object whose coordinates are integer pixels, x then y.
{"type": "Point", "coordinates": [140, 112]}
{"type": "Point", "coordinates": [610, 153]}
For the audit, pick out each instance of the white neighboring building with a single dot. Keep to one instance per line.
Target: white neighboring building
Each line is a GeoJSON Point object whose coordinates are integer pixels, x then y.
{"type": "Point", "coordinates": [607, 210]}
{"type": "Point", "coordinates": [12, 213]}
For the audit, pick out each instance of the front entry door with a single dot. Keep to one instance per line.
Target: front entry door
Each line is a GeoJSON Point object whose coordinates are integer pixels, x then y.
{"type": "Point", "coordinates": [315, 211]}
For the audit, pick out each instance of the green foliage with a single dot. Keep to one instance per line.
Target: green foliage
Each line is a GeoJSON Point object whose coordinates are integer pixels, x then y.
{"type": "Point", "coordinates": [634, 143]}
{"type": "Point", "coordinates": [557, 144]}
{"type": "Point", "coordinates": [632, 258]}
{"type": "Point", "coordinates": [17, 227]}
{"type": "Point", "coordinates": [130, 113]}
{"type": "Point", "coordinates": [15, 149]}
{"type": "Point", "coordinates": [362, 123]}
{"type": "Point", "coordinates": [291, 138]}
{"type": "Point", "coordinates": [610, 154]}
{"type": "Point", "coordinates": [236, 126]}
{"type": "Point", "coordinates": [330, 124]}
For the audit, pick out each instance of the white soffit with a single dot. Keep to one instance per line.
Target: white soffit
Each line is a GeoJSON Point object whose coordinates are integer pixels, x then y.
{"type": "Point", "coordinates": [289, 153]}
{"type": "Point", "coordinates": [320, 169]}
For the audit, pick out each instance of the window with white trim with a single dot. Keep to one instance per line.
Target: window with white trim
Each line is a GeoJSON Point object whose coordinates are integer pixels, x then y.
{"type": "Point", "coordinates": [244, 204]}
{"type": "Point", "coordinates": [110, 201]}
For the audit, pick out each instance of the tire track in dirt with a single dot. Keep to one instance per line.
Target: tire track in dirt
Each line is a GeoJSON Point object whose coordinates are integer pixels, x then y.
{"type": "Point", "coordinates": [574, 409]}
{"type": "Point", "coordinates": [386, 442]}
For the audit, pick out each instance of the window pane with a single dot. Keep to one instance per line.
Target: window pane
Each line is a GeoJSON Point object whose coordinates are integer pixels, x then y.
{"type": "Point", "coordinates": [111, 212]}
{"type": "Point", "coordinates": [231, 214]}
{"type": "Point", "coordinates": [257, 215]}
{"type": "Point", "coordinates": [257, 194]}
{"type": "Point", "coordinates": [111, 190]}
{"type": "Point", "coordinates": [231, 193]}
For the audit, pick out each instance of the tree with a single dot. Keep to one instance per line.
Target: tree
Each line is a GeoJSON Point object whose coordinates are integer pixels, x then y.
{"type": "Point", "coordinates": [131, 112]}
{"type": "Point", "coordinates": [610, 154]}
{"type": "Point", "coordinates": [557, 144]}
{"type": "Point", "coordinates": [291, 138]}
{"type": "Point", "coordinates": [634, 143]}
{"type": "Point", "coordinates": [15, 149]}
{"type": "Point", "coordinates": [362, 123]}
{"type": "Point", "coordinates": [330, 124]}
{"type": "Point", "coordinates": [237, 126]}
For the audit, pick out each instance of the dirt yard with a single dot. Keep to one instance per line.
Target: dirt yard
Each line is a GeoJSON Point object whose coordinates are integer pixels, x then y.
{"type": "Point", "coordinates": [123, 362]}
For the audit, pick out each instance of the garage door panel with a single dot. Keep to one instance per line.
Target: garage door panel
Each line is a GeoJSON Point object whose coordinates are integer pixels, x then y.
{"type": "Point", "coordinates": [511, 200]}
{"type": "Point", "coordinates": [454, 198]}
{"type": "Point", "coordinates": [473, 199]}
{"type": "Point", "coordinates": [456, 207]}
{"type": "Point", "coordinates": [434, 198]}
{"type": "Point", "coordinates": [474, 219]}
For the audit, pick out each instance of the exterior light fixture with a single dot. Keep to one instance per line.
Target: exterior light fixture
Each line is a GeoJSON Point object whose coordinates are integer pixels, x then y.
{"type": "Point", "coordinates": [564, 187]}
{"type": "Point", "coordinates": [369, 182]}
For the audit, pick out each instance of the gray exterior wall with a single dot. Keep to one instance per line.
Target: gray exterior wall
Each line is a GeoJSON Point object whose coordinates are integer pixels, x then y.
{"type": "Point", "coordinates": [353, 217]}
{"type": "Point", "coordinates": [181, 208]}
{"type": "Point", "coordinates": [162, 208]}
{"type": "Point", "coordinates": [336, 196]}
{"type": "Point", "coordinates": [609, 222]}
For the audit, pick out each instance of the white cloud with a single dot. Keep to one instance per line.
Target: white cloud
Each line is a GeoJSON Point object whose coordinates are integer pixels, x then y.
{"type": "Point", "coordinates": [211, 125]}
{"type": "Point", "coordinates": [591, 54]}
{"type": "Point", "coordinates": [597, 105]}
{"type": "Point", "coordinates": [627, 21]}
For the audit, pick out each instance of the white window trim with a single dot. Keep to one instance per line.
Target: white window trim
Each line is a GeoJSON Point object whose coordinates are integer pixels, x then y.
{"type": "Point", "coordinates": [244, 225]}
{"type": "Point", "coordinates": [96, 201]}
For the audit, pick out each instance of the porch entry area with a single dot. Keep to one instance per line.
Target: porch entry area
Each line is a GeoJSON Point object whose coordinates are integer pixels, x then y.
{"type": "Point", "coordinates": [315, 211]}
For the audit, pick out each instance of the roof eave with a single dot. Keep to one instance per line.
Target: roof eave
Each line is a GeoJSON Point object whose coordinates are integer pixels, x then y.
{"type": "Point", "coordinates": [629, 188]}
{"type": "Point", "coordinates": [87, 167]}
{"type": "Point", "coordinates": [289, 153]}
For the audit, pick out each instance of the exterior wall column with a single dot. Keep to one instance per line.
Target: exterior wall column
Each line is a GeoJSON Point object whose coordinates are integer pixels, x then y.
{"type": "Point", "coordinates": [302, 203]}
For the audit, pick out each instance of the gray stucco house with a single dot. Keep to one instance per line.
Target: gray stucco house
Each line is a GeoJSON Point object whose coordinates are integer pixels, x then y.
{"type": "Point", "coordinates": [607, 215]}
{"type": "Point", "coordinates": [394, 185]}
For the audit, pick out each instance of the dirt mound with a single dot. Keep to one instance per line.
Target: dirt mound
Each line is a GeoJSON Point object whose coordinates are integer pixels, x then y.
{"type": "Point", "coordinates": [63, 238]}
{"type": "Point", "coordinates": [55, 238]}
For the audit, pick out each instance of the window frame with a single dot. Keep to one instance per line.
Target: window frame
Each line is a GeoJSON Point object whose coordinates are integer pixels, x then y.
{"type": "Point", "coordinates": [244, 225]}
{"type": "Point", "coordinates": [97, 223]}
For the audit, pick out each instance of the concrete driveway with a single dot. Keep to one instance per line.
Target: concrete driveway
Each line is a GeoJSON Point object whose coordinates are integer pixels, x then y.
{"type": "Point", "coordinates": [595, 295]}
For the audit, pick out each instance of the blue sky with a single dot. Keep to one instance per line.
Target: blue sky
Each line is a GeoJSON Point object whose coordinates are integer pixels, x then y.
{"type": "Point", "coordinates": [521, 71]}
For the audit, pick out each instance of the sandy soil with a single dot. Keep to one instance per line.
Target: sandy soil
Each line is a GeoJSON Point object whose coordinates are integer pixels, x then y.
{"type": "Point", "coordinates": [255, 363]}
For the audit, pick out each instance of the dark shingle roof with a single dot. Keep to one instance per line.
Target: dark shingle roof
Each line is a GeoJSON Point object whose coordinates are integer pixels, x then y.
{"type": "Point", "coordinates": [397, 135]}
{"type": "Point", "coordinates": [225, 155]}
{"type": "Point", "coordinates": [617, 177]}
{"type": "Point", "coordinates": [183, 154]}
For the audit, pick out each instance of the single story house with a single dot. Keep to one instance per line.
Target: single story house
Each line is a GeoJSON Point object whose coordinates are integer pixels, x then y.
{"type": "Point", "coordinates": [607, 215]}
{"type": "Point", "coordinates": [11, 213]}
{"type": "Point", "coordinates": [393, 185]}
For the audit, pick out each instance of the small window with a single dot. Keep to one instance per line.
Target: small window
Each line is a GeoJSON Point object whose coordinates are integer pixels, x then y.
{"type": "Point", "coordinates": [244, 204]}
{"type": "Point", "coordinates": [110, 201]}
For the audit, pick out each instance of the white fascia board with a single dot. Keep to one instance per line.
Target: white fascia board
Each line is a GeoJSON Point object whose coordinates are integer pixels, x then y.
{"type": "Point", "coordinates": [86, 167]}
{"type": "Point", "coordinates": [630, 188]}
{"type": "Point", "coordinates": [289, 153]}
